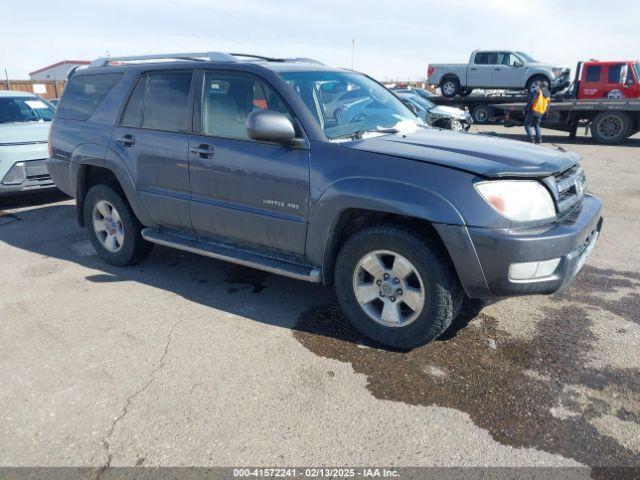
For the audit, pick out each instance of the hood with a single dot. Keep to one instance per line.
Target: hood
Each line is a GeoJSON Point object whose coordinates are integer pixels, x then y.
{"type": "Point", "coordinates": [448, 111]}
{"type": "Point", "coordinates": [483, 155]}
{"type": "Point", "coordinates": [24, 132]}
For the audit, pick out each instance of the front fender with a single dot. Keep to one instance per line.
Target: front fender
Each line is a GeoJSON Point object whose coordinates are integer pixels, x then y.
{"type": "Point", "coordinates": [377, 195]}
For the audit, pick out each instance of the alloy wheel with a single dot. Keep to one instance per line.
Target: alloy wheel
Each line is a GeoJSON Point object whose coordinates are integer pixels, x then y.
{"type": "Point", "coordinates": [108, 226]}
{"type": "Point", "coordinates": [389, 288]}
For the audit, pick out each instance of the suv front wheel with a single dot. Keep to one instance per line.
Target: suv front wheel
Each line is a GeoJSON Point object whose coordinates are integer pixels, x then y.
{"type": "Point", "coordinates": [395, 287]}
{"type": "Point", "coordinates": [113, 228]}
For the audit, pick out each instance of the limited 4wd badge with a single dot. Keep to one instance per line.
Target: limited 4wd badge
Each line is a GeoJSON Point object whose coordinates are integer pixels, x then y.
{"type": "Point", "coordinates": [278, 203]}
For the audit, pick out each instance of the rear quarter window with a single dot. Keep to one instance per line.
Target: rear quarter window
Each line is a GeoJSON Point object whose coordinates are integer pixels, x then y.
{"type": "Point", "coordinates": [84, 93]}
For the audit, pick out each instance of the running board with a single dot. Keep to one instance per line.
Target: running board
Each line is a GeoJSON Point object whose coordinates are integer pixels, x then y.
{"type": "Point", "coordinates": [233, 254]}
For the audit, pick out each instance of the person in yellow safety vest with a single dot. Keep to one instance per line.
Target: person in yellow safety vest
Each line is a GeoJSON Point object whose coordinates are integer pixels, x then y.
{"type": "Point", "coordinates": [537, 107]}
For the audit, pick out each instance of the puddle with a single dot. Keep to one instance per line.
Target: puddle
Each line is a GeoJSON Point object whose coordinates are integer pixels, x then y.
{"type": "Point", "coordinates": [537, 392]}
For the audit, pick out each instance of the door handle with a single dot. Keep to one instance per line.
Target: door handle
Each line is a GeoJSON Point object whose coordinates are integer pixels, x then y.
{"type": "Point", "coordinates": [497, 69]}
{"type": "Point", "coordinates": [203, 150]}
{"type": "Point", "coordinates": [126, 140]}
{"type": "Point", "coordinates": [473, 69]}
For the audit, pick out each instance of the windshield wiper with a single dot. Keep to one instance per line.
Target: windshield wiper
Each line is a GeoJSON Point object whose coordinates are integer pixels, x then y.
{"type": "Point", "coordinates": [358, 134]}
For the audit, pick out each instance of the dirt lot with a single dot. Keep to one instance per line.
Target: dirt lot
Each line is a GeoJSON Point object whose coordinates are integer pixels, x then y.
{"type": "Point", "coordinates": [184, 360]}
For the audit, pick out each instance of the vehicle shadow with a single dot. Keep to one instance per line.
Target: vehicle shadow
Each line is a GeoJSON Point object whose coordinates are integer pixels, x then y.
{"type": "Point", "coordinates": [246, 292]}
{"type": "Point", "coordinates": [31, 199]}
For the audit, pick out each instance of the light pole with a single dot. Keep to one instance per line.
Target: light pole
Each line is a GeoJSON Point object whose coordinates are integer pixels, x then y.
{"type": "Point", "coordinates": [353, 51]}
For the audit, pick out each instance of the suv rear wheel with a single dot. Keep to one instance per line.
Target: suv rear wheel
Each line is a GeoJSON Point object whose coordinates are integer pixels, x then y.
{"type": "Point", "coordinates": [395, 287]}
{"type": "Point", "coordinates": [113, 228]}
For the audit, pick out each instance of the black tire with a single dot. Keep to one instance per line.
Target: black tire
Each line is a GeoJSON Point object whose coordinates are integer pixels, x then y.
{"type": "Point", "coordinates": [134, 248]}
{"type": "Point", "coordinates": [611, 127]}
{"type": "Point", "coordinates": [482, 114]}
{"type": "Point", "coordinates": [450, 86]}
{"type": "Point", "coordinates": [537, 78]}
{"type": "Point", "coordinates": [442, 291]}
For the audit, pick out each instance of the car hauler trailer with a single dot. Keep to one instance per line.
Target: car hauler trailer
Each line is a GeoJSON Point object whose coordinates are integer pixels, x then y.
{"type": "Point", "coordinates": [610, 120]}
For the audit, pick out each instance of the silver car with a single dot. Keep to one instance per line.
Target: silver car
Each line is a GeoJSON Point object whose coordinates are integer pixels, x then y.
{"type": "Point", "coordinates": [25, 120]}
{"type": "Point", "coordinates": [439, 116]}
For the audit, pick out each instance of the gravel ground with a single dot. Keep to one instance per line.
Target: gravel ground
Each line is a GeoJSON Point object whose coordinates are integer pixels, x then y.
{"type": "Point", "coordinates": [183, 360]}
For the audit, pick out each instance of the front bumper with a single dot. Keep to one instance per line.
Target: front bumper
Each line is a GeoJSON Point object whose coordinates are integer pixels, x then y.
{"type": "Point", "coordinates": [26, 176]}
{"type": "Point", "coordinates": [482, 256]}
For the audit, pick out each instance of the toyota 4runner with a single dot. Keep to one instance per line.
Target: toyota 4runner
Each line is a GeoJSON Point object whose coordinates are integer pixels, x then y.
{"type": "Point", "coordinates": [235, 157]}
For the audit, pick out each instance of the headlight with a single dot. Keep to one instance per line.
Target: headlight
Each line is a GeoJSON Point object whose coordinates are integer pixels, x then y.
{"type": "Point", "coordinates": [519, 200]}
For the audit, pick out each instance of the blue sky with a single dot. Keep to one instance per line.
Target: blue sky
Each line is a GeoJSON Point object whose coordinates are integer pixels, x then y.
{"type": "Point", "coordinates": [394, 40]}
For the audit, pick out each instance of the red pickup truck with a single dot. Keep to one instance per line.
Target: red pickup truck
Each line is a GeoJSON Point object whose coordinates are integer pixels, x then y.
{"type": "Point", "coordinates": [608, 79]}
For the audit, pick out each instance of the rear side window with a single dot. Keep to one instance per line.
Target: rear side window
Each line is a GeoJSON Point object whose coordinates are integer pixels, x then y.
{"type": "Point", "coordinates": [84, 93]}
{"type": "Point", "coordinates": [132, 116]}
{"type": "Point", "coordinates": [593, 73]}
{"type": "Point", "coordinates": [167, 101]}
{"type": "Point", "coordinates": [486, 58]}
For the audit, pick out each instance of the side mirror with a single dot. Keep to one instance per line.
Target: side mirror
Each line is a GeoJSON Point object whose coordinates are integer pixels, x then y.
{"type": "Point", "coordinates": [270, 126]}
{"type": "Point", "coordinates": [624, 76]}
{"type": "Point", "coordinates": [518, 64]}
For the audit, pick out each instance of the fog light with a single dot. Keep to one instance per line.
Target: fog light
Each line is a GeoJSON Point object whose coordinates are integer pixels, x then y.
{"type": "Point", "coordinates": [532, 270]}
{"type": "Point", "coordinates": [16, 175]}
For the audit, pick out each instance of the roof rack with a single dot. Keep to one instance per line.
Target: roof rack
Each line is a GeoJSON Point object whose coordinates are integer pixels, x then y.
{"type": "Point", "coordinates": [197, 56]}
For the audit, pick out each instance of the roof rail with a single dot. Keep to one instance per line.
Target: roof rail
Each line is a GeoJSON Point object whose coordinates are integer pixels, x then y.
{"type": "Point", "coordinates": [280, 60]}
{"type": "Point", "coordinates": [197, 56]}
{"type": "Point", "coordinates": [210, 56]}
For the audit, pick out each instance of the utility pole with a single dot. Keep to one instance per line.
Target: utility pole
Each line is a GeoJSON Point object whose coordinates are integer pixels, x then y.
{"type": "Point", "coordinates": [353, 51]}
{"type": "Point", "coordinates": [6, 75]}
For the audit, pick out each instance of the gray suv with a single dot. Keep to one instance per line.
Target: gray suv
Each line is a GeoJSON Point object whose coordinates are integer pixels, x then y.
{"type": "Point", "coordinates": [235, 157]}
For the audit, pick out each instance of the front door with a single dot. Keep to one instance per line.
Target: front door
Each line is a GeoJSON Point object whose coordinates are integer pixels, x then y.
{"type": "Point", "coordinates": [153, 140]}
{"type": "Point", "coordinates": [243, 190]}
{"type": "Point", "coordinates": [507, 72]}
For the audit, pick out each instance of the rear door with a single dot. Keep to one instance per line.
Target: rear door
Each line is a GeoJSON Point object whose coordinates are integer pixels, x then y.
{"type": "Point", "coordinates": [153, 139]}
{"type": "Point", "coordinates": [243, 190]}
{"type": "Point", "coordinates": [479, 73]}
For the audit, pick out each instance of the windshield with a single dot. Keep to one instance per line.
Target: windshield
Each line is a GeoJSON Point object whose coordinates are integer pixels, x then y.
{"type": "Point", "coordinates": [345, 103]}
{"type": "Point", "coordinates": [423, 102]}
{"type": "Point", "coordinates": [25, 109]}
{"type": "Point", "coordinates": [525, 57]}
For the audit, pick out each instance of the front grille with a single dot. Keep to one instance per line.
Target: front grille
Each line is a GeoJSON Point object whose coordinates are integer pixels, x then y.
{"type": "Point", "coordinates": [569, 188]}
{"type": "Point", "coordinates": [39, 178]}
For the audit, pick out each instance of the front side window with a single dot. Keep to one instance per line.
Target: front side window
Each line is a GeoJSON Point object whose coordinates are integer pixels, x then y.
{"type": "Point", "coordinates": [346, 102]}
{"type": "Point", "coordinates": [83, 94]}
{"type": "Point", "coordinates": [615, 71]}
{"type": "Point", "coordinates": [507, 59]}
{"type": "Point", "coordinates": [593, 73]}
{"type": "Point", "coordinates": [637, 69]}
{"type": "Point", "coordinates": [167, 101]}
{"type": "Point", "coordinates": [229, 98]}
{"type": "Point", "coordinates": [24, 109]}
